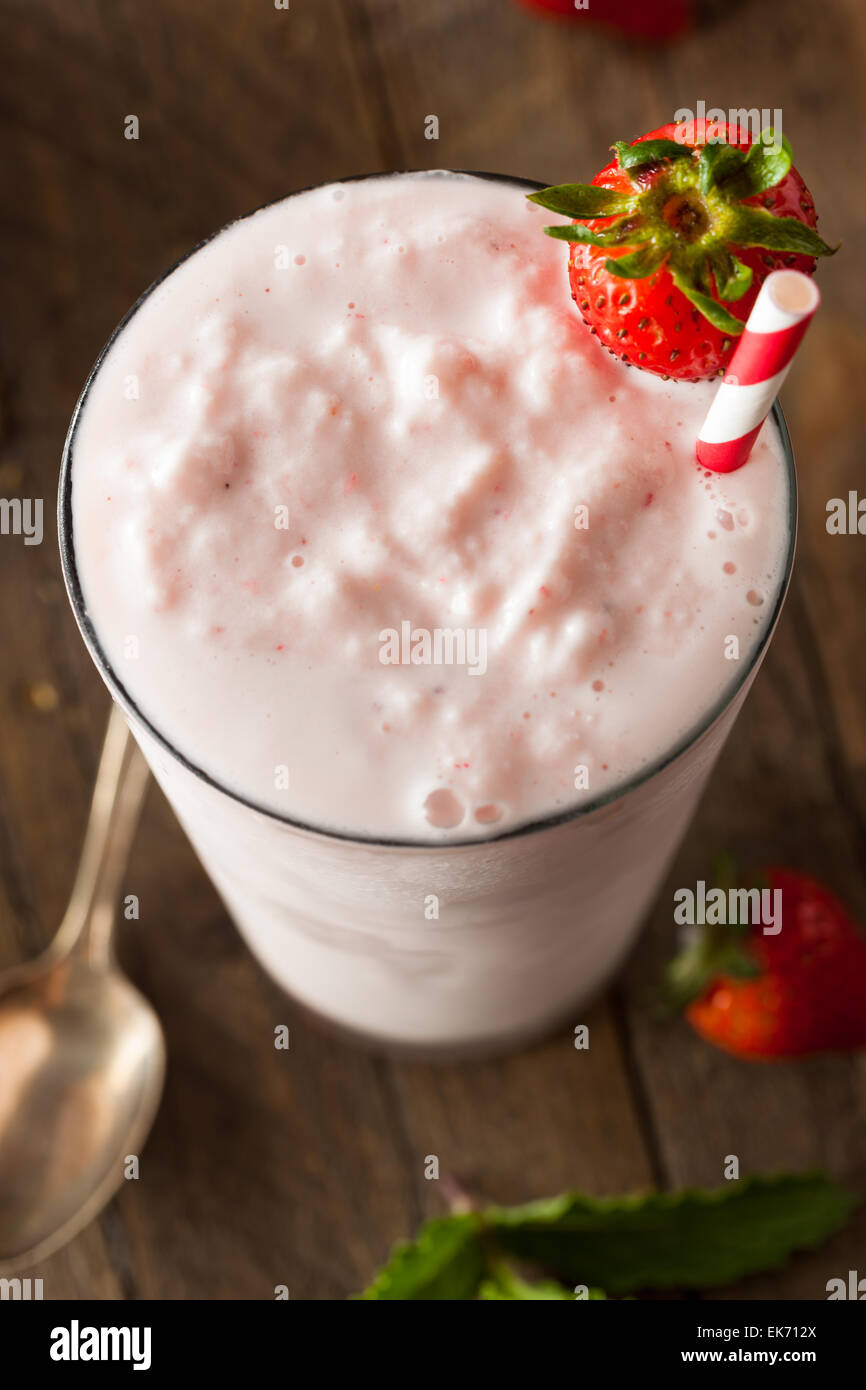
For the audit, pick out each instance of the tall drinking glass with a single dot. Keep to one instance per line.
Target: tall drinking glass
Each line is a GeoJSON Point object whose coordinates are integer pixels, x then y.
{"type": "Point", "coordinates": [443, 947]}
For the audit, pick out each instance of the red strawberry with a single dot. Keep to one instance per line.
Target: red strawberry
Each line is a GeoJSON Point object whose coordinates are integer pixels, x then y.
{"type": "Point", "coordinates": [698, 217]}
{"type": "Point", "coordinates": [639, 19]}
{"type": "Point", "coordinates": [764, 997]}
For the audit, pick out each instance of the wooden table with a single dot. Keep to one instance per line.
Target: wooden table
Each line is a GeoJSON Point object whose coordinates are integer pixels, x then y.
{"type": "Point", "coordinates": [301, 1168]}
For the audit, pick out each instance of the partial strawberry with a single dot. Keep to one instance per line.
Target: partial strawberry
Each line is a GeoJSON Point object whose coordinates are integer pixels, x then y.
{"type": "Point", "coordinates": [767, 997]}
{"type": "Point", "coordinates": [672, 241]}
{"type": "Point", "coordinates": [655, 20]}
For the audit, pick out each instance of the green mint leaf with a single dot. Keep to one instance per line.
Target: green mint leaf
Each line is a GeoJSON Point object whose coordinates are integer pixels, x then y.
{"type": "Point", "coordinates": [649, 152]}
{"type": "Point", "coordinates": [582, 200]}
{"type": "Point", "coordinates": [764, 167]}
{"type": "Point", "coordinates": [718, 162]}
{"type": "Point", "coordinates": [445, 1261]}
{"type": "Point", "coordinates": [755, 227]}
{"type": "Point", "coordinates": [718, 317]}
{"type": "Point", "coordinates": [691, 1239]}
{"type": "Point", "coordinates": [504, 1283]}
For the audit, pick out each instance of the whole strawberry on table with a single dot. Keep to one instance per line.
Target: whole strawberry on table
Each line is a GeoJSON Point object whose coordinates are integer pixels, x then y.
{"type": "Point", "coordinates": [769, 997]}
{"type": "Point", "coordinates": [655, 21]}
{"type": "Point", "coordinates": [672, 240]}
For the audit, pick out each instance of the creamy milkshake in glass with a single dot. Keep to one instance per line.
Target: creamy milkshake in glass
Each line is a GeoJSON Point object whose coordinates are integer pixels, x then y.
{"type": "Point", "coordinates": [417, 602]}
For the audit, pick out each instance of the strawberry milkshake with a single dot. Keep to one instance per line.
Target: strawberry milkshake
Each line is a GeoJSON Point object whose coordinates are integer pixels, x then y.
{"type": "Point", "coordinates": [418, 603]}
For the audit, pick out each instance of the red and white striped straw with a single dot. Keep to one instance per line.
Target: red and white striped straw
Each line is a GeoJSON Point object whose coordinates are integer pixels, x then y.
{"type": "Point", "coordinates": [779, 318]}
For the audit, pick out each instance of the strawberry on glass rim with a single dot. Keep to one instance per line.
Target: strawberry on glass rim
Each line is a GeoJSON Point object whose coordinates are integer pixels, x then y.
{"type": "Point", "coordinates": [672, 240]}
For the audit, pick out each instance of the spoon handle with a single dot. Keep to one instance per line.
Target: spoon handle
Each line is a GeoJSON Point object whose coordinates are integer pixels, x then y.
{"type": "Point", "coordinates": [121, 782]}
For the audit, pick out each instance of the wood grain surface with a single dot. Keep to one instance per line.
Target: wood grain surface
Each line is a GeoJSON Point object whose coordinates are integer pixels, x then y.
{"type": "Point", "coordinates": [302, 1167]}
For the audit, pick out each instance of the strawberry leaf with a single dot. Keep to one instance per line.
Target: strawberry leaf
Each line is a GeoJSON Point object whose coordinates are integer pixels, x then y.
{"type": "Point", "coordinates": [718, 162]}
{"type": "Point", "coordinates": [621, 232]}
{"type": "Point", "coordinates": [731, 276]}
{"type": "Point", "coordinates": [582, 200]}
{"type": "Point", "coordinates": [718, 317]}
{"type": "Point", "coordinates": [445, 1261]}
{"type": "Point", "coordinates": [636, 265]}
{"type": "Point", "coordinates": [766, 164]}
{"type": "Point", "coordinates": [579, 234]}
{"type": "Point", "coordinates": [740, 964]}
{"type": "Point", "coordinates": [755, 227]}
{"type": "Point", "coordinates": [710, 955]}
{"type": "Point", "coordinates": [691, 1239]}
{"type": "Point", "coordinates": [649, 152]}
{"type": "Point", "coordinates": [685, 977]}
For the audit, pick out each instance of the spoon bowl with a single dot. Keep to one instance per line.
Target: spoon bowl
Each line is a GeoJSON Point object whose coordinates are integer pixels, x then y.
{"type": "Point", "coordinates": [83, 1066]}
{"type": "Point", "coordinates": [82, 1053]}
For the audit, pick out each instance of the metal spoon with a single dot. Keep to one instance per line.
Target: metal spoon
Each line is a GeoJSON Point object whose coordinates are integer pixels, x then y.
{"type": "Point", "coordinates": [82, 1054]}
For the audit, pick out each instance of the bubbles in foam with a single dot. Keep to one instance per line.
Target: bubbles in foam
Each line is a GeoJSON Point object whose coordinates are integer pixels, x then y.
{"type": "Point", "coordinates": [443, 810]}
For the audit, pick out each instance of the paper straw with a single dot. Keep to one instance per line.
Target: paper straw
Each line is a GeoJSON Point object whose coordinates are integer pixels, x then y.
{"type": "Point", "coordinates": [779, 318]}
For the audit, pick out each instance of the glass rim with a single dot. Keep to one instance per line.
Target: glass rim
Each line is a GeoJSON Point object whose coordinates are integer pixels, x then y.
{"type": "Point", "coordinates": [122, 696]}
